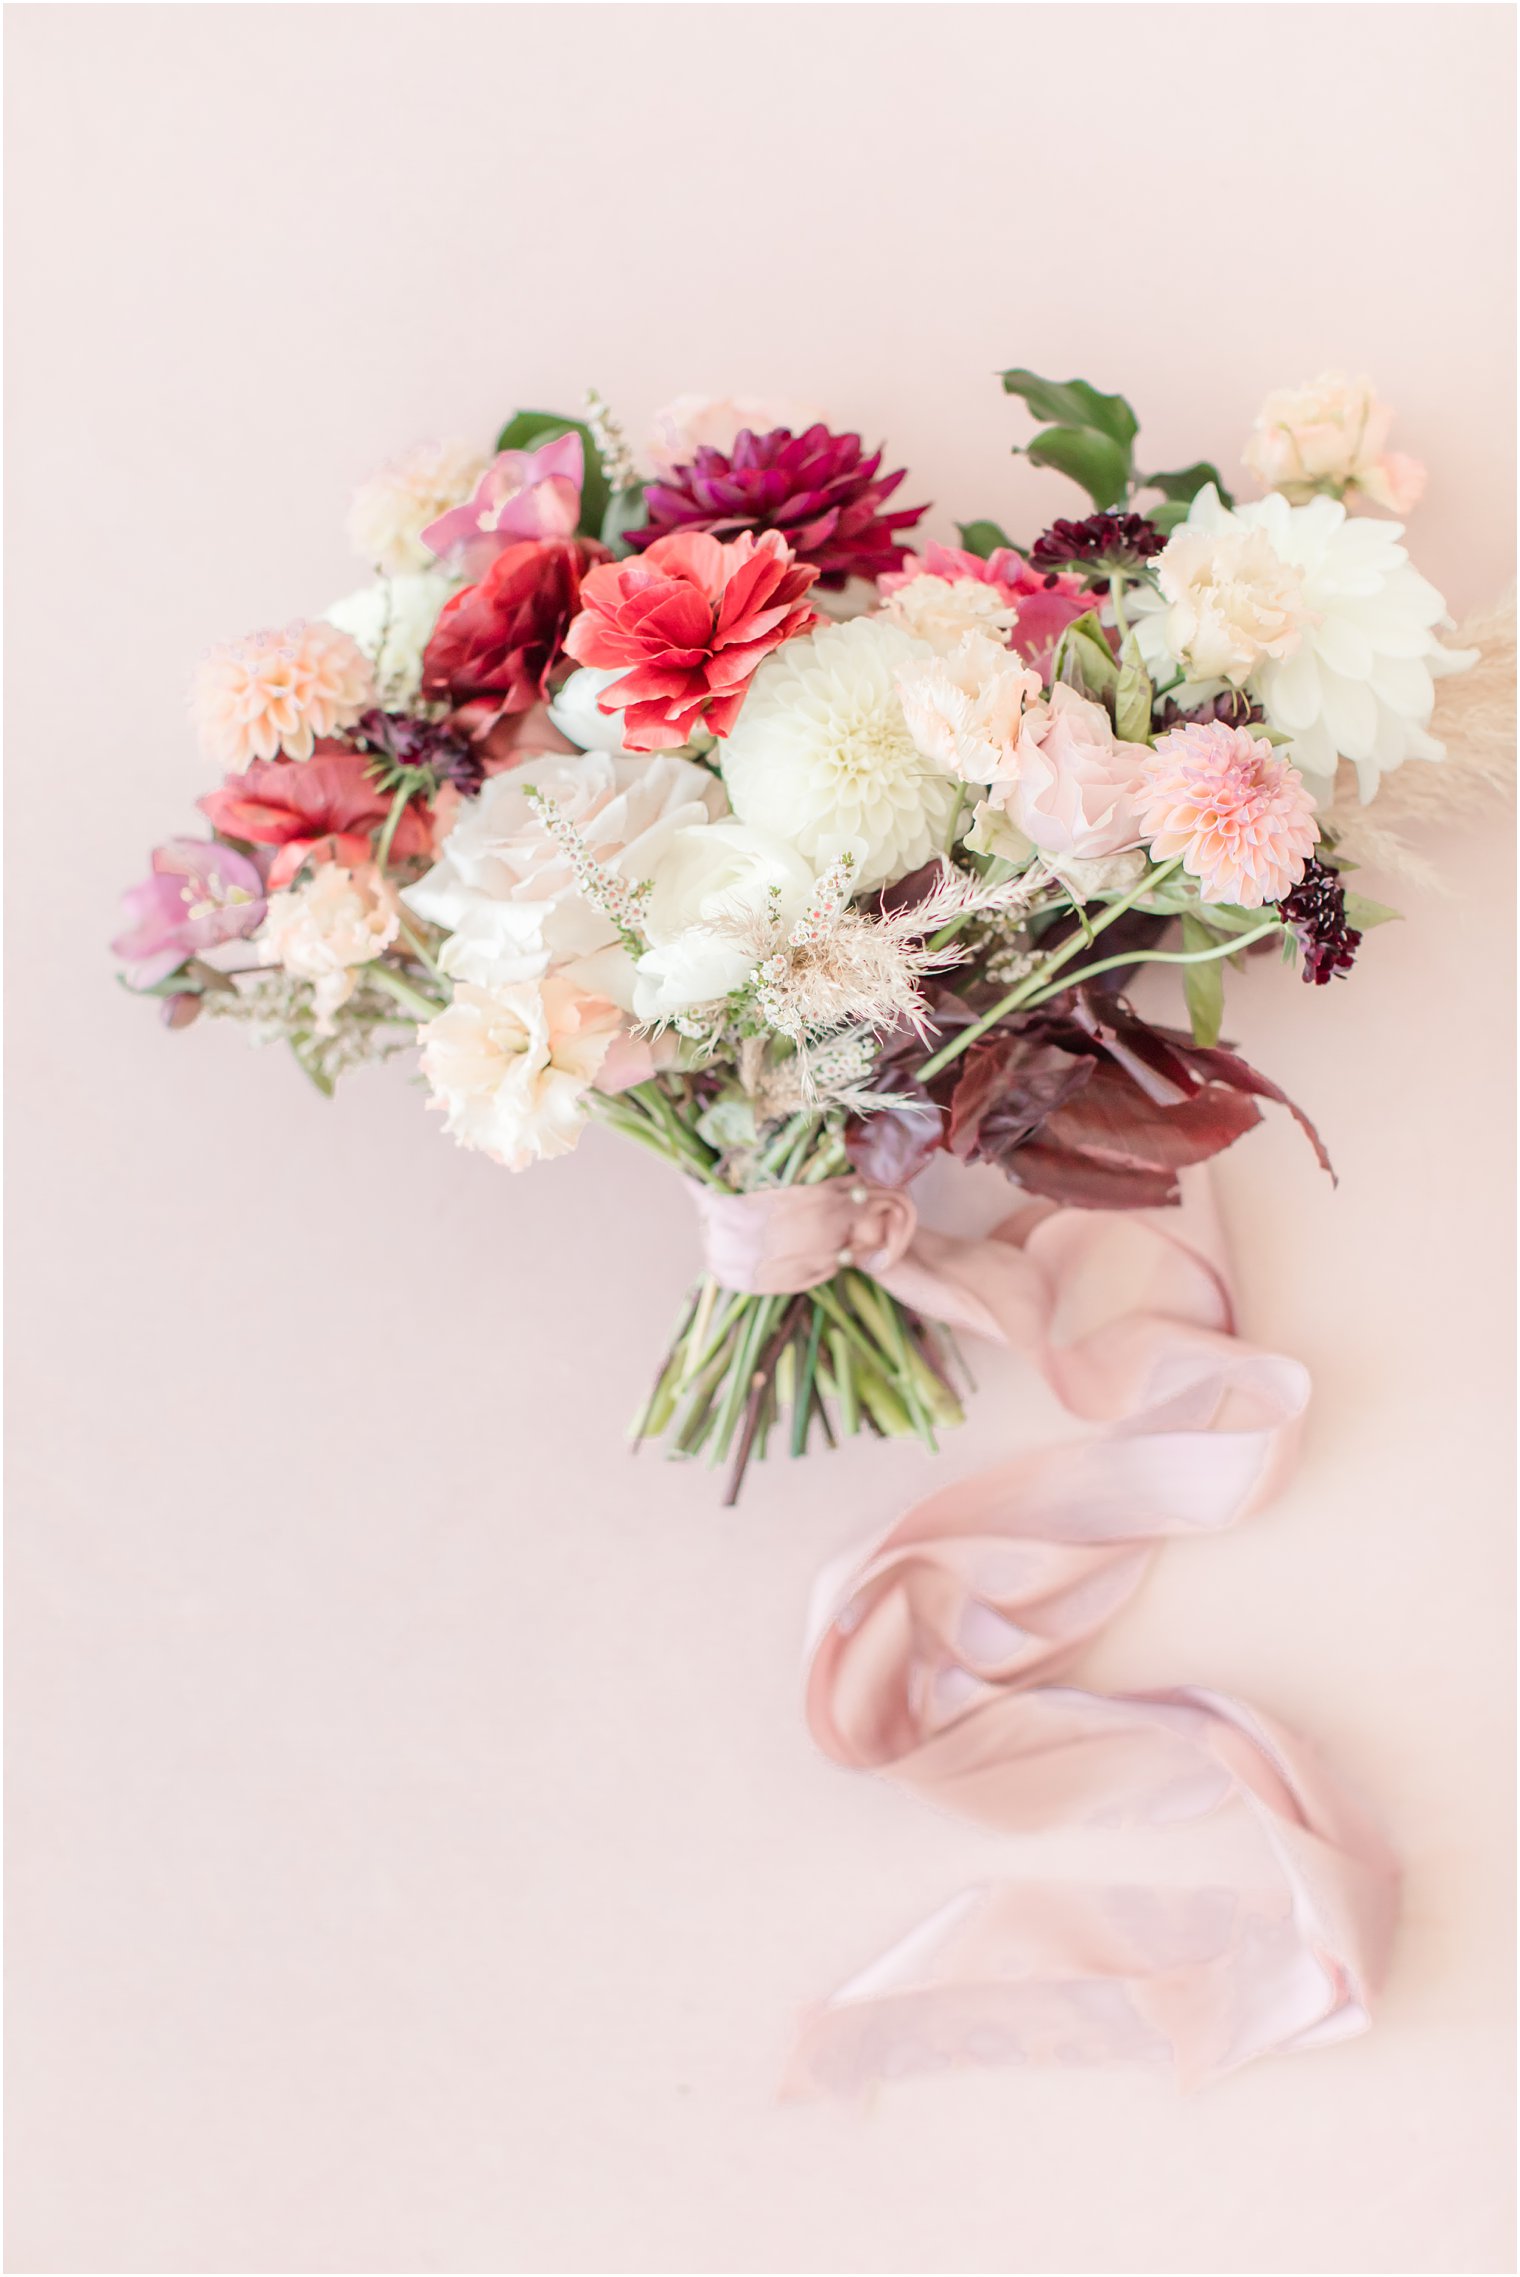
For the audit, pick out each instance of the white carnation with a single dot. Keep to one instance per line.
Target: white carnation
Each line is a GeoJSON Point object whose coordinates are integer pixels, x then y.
{"type": "Point", "coordinates": [945, 610]}
{"type": "Point", "coordinates": [392, 620]}
{"type": "Point", "coordinates": [965, 710]}
{"type": "Point", "coordinates": [822, 753]}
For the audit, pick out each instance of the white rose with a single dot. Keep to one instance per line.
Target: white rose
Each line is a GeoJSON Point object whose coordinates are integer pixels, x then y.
{"type": "Point", "coordinates": [392, 621]}
{"type": "Point", "coordinates": [504, 888]}
{"type": "Point", "coordinates": [322, 930]}
{"type": "Point", "coordinates": [723, 871]}
{"type": "Point", "coordinates": [510, 1066]}
{"type": "Point", "coordinates": [574, 711]}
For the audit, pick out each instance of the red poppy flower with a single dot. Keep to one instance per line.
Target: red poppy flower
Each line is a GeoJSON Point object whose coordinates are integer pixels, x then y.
{"type": "Point", "coordinates": [321, 809]}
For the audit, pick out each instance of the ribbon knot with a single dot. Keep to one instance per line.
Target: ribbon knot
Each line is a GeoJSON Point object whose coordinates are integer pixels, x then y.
{"type": "Point", "coordinates": [939, 1653]}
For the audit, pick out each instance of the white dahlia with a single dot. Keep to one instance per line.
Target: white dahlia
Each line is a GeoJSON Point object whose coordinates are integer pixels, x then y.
{"type": "Point", "coordinates": [1359, 681]}
{"type": "Point", "coordinates": [822, 755]}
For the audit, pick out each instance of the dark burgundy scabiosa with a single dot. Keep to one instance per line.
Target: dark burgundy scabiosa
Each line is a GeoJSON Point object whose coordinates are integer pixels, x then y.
{"type": "Point", "coordinates": [1315, 911]}
{"type": "Point", "coordinates": [821, 492]}
{"type": "Point", "coordinates": [1098, 543]}
{"type": "Point", "coordinates": [1234, 708]}
{"type": "Point", "coordinates": [410, 745]}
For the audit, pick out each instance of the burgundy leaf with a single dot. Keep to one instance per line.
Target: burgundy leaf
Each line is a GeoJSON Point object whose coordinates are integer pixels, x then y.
{"type": "Point", "coordinates": [1008, 1087]}
{"type": "Point", "coordinates": [891, 1146]}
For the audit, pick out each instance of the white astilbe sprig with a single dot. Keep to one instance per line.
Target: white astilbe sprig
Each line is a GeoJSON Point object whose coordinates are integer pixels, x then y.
{"type": "Point", "coordinates": [611, 443]}
{"type": "Point", "coordinates": [620, 903]}
{"type": "Point", "coordinates": [834, 1074]}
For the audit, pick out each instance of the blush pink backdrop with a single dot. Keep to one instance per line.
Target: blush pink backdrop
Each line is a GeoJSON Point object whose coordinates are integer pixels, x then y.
{"type": "Point", "coordinates": [416, 1856]}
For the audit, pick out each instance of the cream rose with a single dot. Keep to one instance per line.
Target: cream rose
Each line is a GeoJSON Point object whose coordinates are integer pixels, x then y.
{"type": "Point", "coordinates": [715, 422]}
{"type": "Point", "coordinates": [510, 1066]}
{"type": "Point", "coordinates": [1331, 436]}
{"type": "Point", "coordinates": [504, 888]}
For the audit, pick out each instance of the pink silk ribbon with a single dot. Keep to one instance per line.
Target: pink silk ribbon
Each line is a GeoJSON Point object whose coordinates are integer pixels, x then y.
{"type": "Point", "coordinates": [936, 1651]}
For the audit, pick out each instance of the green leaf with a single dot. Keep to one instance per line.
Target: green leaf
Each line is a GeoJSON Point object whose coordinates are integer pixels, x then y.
{"type": "Point", "coordinates": [1365, 914]}
{"type": "Point", "coordinates": [1183, 486]}
{"type": "Point", "coordinates": [527, 430]}
{"type": "Point", "coordinates": [1086, 662]}
{"type": "Point", "coordinates": [1166, 517]}
{"type": "Point", "coordinates": [625, 511]}
{"type": "Point", "coordinates": [1203, 985]}
{"type": "Point", "coordinates": [984, 538]}
{"type": "Point", "coordinates": [1072, 403]}
{"type": "Point", "coordinates": [1133, 697]}
{"type": "Point", "coordinates": [1096, 461]}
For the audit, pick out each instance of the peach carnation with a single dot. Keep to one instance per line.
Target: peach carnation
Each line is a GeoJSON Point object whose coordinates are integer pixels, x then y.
{"type": "Point", "coordinates": [1230, 804]}
{"type": "Point", "coordinates": [278, 692]}
{"type": "Point", "coordinates": [392, 509]}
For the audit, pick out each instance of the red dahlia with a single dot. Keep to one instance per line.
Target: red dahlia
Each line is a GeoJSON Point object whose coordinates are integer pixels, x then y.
{"type": "Point", "coordinates": [819, 490]}
{"type": "Point", "coordinates": [496, 643]}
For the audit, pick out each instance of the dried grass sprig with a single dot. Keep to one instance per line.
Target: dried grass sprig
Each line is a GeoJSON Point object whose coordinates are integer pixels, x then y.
{"type": "Point", "coordinates": [1475, 718]}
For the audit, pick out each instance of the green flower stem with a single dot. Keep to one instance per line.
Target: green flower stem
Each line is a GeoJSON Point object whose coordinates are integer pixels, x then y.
{"type": "Point", "coordinates": [1159, 957]}
{"type": "Point", "coordinates": [844, 1381]}
{"type": "Point", "coordinates": [385, 976]}
{"type": "Point", "coordinates": [399, 804]}
{"type": "Point", "coordinates": [1035, 982]}
{"type": "Point", "coordinates": [803, 1411]}
{"type": "Point", "coordinates": [760, 1313]}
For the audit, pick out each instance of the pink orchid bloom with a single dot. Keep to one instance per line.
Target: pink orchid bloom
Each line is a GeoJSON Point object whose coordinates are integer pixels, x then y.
{"type": "Point", "coordinates": [522, 494]}
{"type": "Point", "coordinates": [199, 894]}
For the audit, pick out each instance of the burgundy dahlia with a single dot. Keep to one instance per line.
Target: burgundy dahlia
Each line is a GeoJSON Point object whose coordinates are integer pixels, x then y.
{"type": "Point", "coordinates": [1316, 912]}
{"type": "Point", "coordinates": [1099, 542]}
{"type": "Point", "coordinates": [819, 490]}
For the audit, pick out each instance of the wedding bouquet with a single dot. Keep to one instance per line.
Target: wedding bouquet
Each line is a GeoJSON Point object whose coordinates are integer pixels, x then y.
{"type": "Point", "coordinates": [687, 796]}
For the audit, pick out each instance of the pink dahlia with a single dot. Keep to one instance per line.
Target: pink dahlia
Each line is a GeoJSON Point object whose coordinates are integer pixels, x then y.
{"type": "Point", "coordinates": [686, 626]}
{"type": "Point", "coordinates": [1043, 604]}
{"type": "Point", "coordinates": [198, 895]}
{"type": "Point", "coordinates": [819, 491]}
{"type": "Point", "coordinates": [278, 691]}
{"type": "Point", "coordinates": [1229, 803]}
